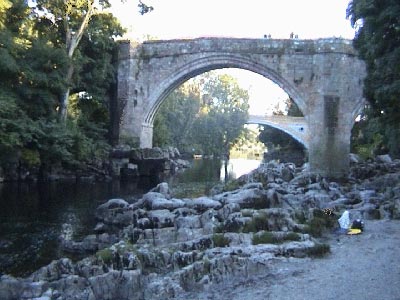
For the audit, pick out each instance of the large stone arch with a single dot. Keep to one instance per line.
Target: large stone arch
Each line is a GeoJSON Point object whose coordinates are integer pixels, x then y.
{"type": "Point", "coordinates": [205, 64]}
{"type": "Point", "coordinates": [324, 77]}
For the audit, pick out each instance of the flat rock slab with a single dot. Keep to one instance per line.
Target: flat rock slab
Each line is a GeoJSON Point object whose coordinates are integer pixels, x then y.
{"type": "Point", "coordinates": [360, 267]}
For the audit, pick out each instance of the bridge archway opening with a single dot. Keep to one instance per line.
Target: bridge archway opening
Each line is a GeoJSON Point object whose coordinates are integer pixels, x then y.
{"type": "Point", "coordinates": [225, 62]}
{"type": "Point", "coordinates": [265, 96]}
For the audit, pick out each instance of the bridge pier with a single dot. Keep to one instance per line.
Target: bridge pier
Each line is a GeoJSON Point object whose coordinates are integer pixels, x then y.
{"type": "Point", "coordinates": [329, 146]}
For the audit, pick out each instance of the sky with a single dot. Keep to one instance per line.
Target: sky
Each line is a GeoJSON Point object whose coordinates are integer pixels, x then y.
{"type": "Point", "coordinates": [175, 19]}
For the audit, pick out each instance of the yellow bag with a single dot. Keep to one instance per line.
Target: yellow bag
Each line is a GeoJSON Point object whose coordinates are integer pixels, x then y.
{"type": "Point", "coordinates": [354, 231]}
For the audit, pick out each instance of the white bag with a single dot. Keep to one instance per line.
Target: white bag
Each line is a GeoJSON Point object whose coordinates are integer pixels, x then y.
{"type": "Point", "coordinates": [344, 220]}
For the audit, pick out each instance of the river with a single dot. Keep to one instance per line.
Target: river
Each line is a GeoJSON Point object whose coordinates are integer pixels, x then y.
{"type": "Point", "coordinates": [33, 215]}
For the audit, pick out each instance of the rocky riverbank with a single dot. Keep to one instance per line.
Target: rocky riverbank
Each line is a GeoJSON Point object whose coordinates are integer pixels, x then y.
{"type": "Point", "coordinates": [161, 247]}
{"type": "Point", "coordinates": [124, 163]}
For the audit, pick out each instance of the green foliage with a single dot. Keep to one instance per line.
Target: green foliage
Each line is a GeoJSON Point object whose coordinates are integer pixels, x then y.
{"type": "Point", "coordinates": [219, 240]}
{"type": "Point", "coordinates": [106, 255]}
{"type": "Point", "coordinates": [368, 137]}
{"type": "Point", "coordinates": [300, 217]}
{"type": "Point", "coordinates": [267, 237]}
{"type": "Point", "coordinates": [205, 115]}
{"type": "Point", "coordinates": [258, 222]}
{"type": "Point", "coordinates": [173, 125]}
{"type": "Point", "coordinates": [231, 185]}
{"type": "Point", "coordinates": [30, 157]}
{"type": "Point", "coordinates": [319, 223]}
{"type": "Point", "coordinates": [378, 43]}
{"type": "Point", "coordinates": [225, 112]}
{"type": "Point", "coordinates": [33, 68]}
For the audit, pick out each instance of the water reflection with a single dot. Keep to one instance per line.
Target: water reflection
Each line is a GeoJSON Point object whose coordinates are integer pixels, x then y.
{"type": "Point", "coordinates": [34, 215]}
{"type": "Point", "coordinates": [205, 173]}
{"type": "Point", "coordinates": [238, 167]}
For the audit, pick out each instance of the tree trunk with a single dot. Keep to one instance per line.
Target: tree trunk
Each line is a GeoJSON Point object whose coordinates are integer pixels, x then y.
{"type": "Point", "coordinates": [64, 106]}
{"type": "Point", "coordinates": [72, 42]}
{"type": "Point", "coordinates": [226, 169]}
{"type": "Point", "coordinates": [64, 99]}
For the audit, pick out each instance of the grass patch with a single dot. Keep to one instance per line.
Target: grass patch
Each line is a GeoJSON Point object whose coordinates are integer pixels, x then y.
{"type": "Point", "coordinates": [264, 238]}
{"type": "Point", "coordinates": [219, 240]}
{"type": "Point", "coordinates": [106, 255]}
{"type": "Point", "coordinates": [270, 238]}
{"type": "Point", "coordinates": [300, 217]}
{"type": "Point", "coordinates": [319, 250]}
{"type": "Point", "coordinates": [247, 212]}
{"type": "Point", "coordinates": [231, 185]}
{"type": "Point", "coordinates": [256, 224]}
{"type": "Point", "coordinates": [292, 236]}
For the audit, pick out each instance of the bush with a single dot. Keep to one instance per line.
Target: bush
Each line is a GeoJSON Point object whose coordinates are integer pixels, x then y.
{"type": "Point", "coordinates": [270, 238]}
{"type": "Point", "coordinates": [265, 238]}
{"type": "Point", "coordinates": [30, 157]}
{"type": "Point", "coordinates": [106, 255]}
{"type": "Point", "coordinates": [231, 185]}
{"type": "Point", "coordinates": [319, 223]}
{"type": "Point", "coordinates": [219, 240]}
{"type": "Point", "coordinates": [258, 223]}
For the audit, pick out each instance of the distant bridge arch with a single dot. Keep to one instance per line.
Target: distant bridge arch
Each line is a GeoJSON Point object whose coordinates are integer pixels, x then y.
{"type": "Point", "coordinates": [296, 127]}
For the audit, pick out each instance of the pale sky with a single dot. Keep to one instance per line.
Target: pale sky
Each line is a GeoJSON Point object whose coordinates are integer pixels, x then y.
{"type": "Point", "coordinates": [174, 19]}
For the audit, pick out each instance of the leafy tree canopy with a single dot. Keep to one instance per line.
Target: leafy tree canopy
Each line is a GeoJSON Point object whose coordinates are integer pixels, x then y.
{"type": "Point", "coordinates": [33, 67]}
{"type": "Point", "coordinates": [206, 115]}
{"type": "Point", "coordinates": [378, 42]}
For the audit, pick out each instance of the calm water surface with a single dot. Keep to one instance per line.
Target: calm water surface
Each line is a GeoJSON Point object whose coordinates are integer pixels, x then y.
{"type": "Point", "coordinates": [32, 215]}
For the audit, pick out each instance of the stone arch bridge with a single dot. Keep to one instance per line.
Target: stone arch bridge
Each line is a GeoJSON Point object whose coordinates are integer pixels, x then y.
{"type": "Point", "coordinates": [296, 127]}
{"type": "Point", "coordinates": [324, 77]}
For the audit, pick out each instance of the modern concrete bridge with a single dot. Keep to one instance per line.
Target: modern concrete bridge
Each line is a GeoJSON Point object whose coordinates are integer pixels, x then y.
{"type": "Point", "coordinates": [324, 77]}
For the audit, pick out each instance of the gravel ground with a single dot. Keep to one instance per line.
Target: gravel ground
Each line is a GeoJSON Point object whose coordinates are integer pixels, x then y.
{"type": "Point", "coordinates": [365, 266]}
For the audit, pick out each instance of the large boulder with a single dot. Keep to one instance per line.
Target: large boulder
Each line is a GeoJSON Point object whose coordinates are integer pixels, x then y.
{"type": "Point", "coordinates": [245, 198]}
{"type": "Point", "coordinates": [202, 204]}
{"type": "Point", "coordinates": [161, 218]}
{"type": "Point", "coordinates": [121, 285]}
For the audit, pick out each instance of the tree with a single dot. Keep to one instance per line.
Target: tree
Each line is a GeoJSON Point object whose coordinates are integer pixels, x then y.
{"type": "Point", "coordinates": [30, 77]}
{"type": "Point", "coordinates": [33, 65]}
{"type": "Point", "coordinates": [378, 43]}
{"type": "Point", "coordinates": [224, 113]}
{"type": "Point", "coordinates": [206, 114]}
{"type": "Point", "coordinates": [174, 120]}
{"type": "Point", "coordinates": [72, 20]}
